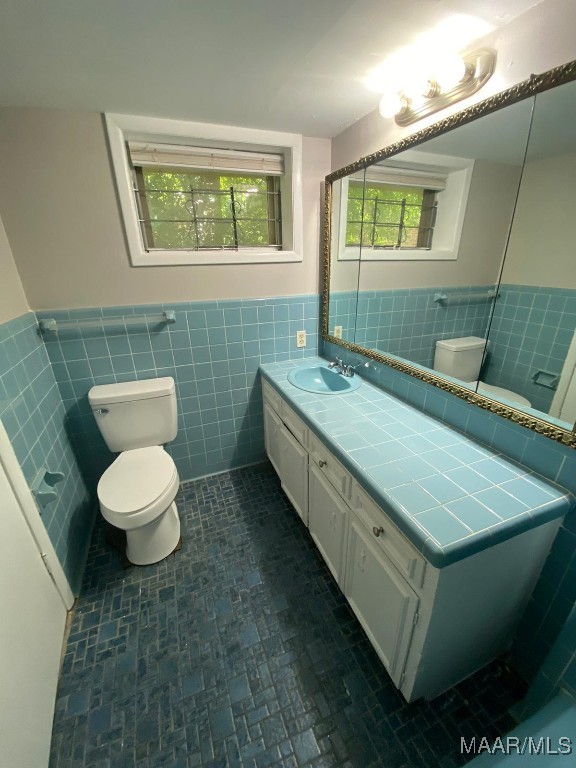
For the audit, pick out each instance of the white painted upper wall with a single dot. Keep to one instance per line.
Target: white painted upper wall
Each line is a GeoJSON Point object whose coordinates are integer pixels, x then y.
{"type": "Point", "coordinates": [542, 38]}
{"type": "Point", "coordinates": [63, 220]}
{"type": "Point", "coordinates": [541, 249]}
{"type": "Point", "coordinates": [62, 216]}
{"type": "Point", "coordinates": [486, 223]}
{"type": "Point", "coordinates": [13, 302]}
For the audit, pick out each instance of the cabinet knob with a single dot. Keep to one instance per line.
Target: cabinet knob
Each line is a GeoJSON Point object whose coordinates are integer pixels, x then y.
{"type": "Point", "coordinates": [377, 531]}
{"type": "Point", "coordinates": [322, 463]}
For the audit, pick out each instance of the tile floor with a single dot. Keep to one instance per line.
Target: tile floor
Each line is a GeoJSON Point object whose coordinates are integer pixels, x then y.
{"type": "Point", "coordinates": [240, 650]}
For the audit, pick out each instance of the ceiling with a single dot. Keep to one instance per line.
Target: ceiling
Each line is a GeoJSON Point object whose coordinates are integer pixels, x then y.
{"type": "Point", "coordinates": [291, 65]}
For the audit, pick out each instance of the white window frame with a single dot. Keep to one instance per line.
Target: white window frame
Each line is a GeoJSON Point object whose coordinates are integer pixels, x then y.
{"type": "Point", "coordinates": [122, 128]}
{"type": "Point", "coordinates": [452, 202]}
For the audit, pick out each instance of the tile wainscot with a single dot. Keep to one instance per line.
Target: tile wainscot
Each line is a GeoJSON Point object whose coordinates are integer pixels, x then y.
{"type": "Point", "coordinates": [436, 541]}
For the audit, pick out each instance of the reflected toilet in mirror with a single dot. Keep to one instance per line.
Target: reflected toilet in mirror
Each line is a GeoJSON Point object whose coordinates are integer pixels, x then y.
{"type": "Point", "coordinates": [462, 359]}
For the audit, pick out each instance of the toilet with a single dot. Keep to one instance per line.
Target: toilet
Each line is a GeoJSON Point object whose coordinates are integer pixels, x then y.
{"type": "Point", "coordinates": [137, 492]}
{"type": "Point", "coordinates": [462, 359]}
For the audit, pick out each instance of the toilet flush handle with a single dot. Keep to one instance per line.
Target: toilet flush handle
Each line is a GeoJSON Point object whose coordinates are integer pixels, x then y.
{"type": "Point", "coordinates": [100, 411]}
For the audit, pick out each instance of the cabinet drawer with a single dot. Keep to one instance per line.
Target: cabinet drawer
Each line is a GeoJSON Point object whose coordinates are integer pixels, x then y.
{"type": "Point", "coordinates": [294, 423]}
{"type": "Point", "coordinates": [331, 467]}
{"type": "Point", "coordinates": [270, 394]}
{"type": "Point", "coordinates": [386, 536]}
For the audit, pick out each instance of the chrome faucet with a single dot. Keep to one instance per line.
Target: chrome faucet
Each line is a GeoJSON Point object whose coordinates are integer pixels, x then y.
{"type": "Point", "coordinates": [341, 367]}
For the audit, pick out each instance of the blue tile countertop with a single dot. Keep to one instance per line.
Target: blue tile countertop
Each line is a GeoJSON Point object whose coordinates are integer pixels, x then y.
{"type": "Point", "coordinates": [450, 496]}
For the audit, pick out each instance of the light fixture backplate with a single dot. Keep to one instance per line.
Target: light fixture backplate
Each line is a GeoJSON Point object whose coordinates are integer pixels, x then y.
{"type": "Point", "coordinates": [480, 67]}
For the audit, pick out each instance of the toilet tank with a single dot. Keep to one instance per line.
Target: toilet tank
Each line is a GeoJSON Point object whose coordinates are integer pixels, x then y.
{"type": "Point", "coordinates": [135, 414]}
{"type": "Point", "coordinates": [460, 358]}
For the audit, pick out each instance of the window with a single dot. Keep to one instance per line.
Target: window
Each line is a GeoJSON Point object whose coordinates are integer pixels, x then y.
{"type": "Point", "coordinates": [191, 194]}
{"type": "Point", "coordinates": [407, 208]}
{"type": "Point", "coordinates": [390, 216]}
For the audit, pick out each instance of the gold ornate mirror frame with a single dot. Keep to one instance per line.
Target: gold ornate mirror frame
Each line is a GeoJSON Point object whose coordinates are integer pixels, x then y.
{"type": "Point", "coordinates": [531, 87]}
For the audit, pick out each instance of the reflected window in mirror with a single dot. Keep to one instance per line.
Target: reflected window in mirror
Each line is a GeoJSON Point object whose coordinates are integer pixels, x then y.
{"type": "Point", "coordinates": [387, 215]}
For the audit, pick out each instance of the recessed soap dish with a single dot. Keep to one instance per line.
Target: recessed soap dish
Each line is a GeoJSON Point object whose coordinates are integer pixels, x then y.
{"type": "Point", "coordinates": [43, 487]}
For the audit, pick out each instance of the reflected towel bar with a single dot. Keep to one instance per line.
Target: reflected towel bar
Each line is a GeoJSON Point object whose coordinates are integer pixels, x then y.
{"type": "Point", "coordinates": [52, 325]}
{"type": "Point", "coordinates": [448, 299]}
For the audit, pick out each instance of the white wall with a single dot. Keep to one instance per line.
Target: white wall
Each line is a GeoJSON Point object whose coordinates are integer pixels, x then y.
{"type": "Point", "coordinates": [62, 217]}
{"type": "Point", "coordinates": [13, 302]}
{"type": "Point", "coordinates": [488, 215]}
{"type": "Point", "coordinates": [540, 39]}
{"type": "Point", "coordinates": [541, 250]}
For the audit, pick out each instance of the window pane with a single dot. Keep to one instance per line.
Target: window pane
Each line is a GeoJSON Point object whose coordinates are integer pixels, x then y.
{"type": "Point", "coordinates": [388, 216]}
{"type": "Point", "coordinates": [195, 210]}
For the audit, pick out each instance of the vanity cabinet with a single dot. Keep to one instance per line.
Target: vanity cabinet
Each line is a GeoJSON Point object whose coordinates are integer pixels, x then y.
{"type": "Point", "coordinates": [431, 627]}
{"type": "Point", "coordinates": [287, 454]}
{"type": "Point", "coordinates": [328, 522]}
{"type": "Point", "coordinates": [381, 598]}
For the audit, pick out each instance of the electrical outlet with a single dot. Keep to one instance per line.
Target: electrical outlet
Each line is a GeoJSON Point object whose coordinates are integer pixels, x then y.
{"type": "Point", "coordinates": [338, 331]}
{"type": "Point", "coordinates": [300, 338]}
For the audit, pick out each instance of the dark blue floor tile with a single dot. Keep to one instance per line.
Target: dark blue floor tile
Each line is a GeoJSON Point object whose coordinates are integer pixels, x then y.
{"type": "Point", "coordinates": [239, 651]}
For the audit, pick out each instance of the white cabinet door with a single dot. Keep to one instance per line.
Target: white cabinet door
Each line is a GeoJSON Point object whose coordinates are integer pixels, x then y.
{"type": "Point", "coordinates": [272, 427]}
{"type": "Point", "coordinates": [294, 472]}
{"type": "Point", "coordinates": [381, 599]}
{"type": "Point", "coordinates": [328, 522]}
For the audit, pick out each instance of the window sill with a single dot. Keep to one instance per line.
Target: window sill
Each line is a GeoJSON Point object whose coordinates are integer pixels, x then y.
{"type": "Point", "coordinates": [194, 258]}
{"type": "Point", "coordinates": [406, 254]}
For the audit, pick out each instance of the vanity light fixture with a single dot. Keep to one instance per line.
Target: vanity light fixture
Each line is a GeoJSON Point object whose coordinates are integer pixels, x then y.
{"type": "Point", "coordinates": [452, 78]}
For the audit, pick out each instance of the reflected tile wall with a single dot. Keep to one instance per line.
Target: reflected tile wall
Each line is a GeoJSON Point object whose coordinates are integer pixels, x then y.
{"type": "Point", "coordinates": [212, 351]}
{"type": "Point", "coordinates": [531, 331]}
{"type": "Point", "coordinates": [33, 415]}
{"type": "Point", "coordinates": [408, 322]}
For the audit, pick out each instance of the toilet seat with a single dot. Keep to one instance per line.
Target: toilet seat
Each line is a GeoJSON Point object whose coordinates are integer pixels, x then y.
{"type": "Point", "coordinates": [138, 486]}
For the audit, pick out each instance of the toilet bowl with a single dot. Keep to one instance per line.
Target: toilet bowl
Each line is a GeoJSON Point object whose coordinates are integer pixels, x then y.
{"type": "Point", "coordinates": [499, 392]}
{"type": "Point", "coordinates": [137, 491]}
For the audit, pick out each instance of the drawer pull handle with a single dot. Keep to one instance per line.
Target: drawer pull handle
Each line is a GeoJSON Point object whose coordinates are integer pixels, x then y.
{"type": "Point", "coordinates": [322, 463]}
{"type": "Point", "coordinates": [377, 531]}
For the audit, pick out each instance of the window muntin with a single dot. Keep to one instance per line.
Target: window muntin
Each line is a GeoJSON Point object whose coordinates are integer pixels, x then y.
{"type": "Point", "coordinates": [204, 209]}
{"type": "Point", "coordinates": [390, 216]}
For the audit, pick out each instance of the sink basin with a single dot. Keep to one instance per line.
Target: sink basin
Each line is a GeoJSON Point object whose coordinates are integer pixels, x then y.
{"type": "Point", "coordinates": [323, 381]}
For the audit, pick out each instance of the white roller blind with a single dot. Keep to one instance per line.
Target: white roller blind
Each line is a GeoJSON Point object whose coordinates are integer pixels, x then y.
{"type": "Point", "coordinates": [407, 179]}
{"type": "Point", "coordinates": [180, 156]}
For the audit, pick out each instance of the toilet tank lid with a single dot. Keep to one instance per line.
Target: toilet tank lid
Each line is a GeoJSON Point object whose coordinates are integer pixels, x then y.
{"type": "Point", "coordinates": [131, 390]}
{"type": "Point", "coordinates": [463, 344]}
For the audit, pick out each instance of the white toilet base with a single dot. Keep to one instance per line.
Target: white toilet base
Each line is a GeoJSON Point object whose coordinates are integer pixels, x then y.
{"type": "Point", "coordinates": [154, 541]}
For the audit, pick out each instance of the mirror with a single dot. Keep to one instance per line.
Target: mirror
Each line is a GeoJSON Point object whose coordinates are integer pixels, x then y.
{"type": "Point", "coordinates": [532, 347]}
{"type": "Point", "coordinates": [445, 237]}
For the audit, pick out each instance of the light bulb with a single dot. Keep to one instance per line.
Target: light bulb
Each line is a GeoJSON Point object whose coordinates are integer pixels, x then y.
{"type": "Point", "coordinates": [448, 70]}
{"type": "Point", "coordinates": [390, 104]}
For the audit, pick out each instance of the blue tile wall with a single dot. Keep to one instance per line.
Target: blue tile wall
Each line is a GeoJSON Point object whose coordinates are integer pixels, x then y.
{"type": "Point", "coordinates": [212, 351]}
{"type": "Point", "coordinates": [558, 671]}
{"type": "Point", "coordinates": [408, 322]}
{"type": "Point", "coordinates": [555, 594]}
{"type": "Point", "coordinates": [33, 415]}
{"type": "Point", "coordinates": [531, 330]}
{"type": "Point", "coordinates": [342, 311]}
